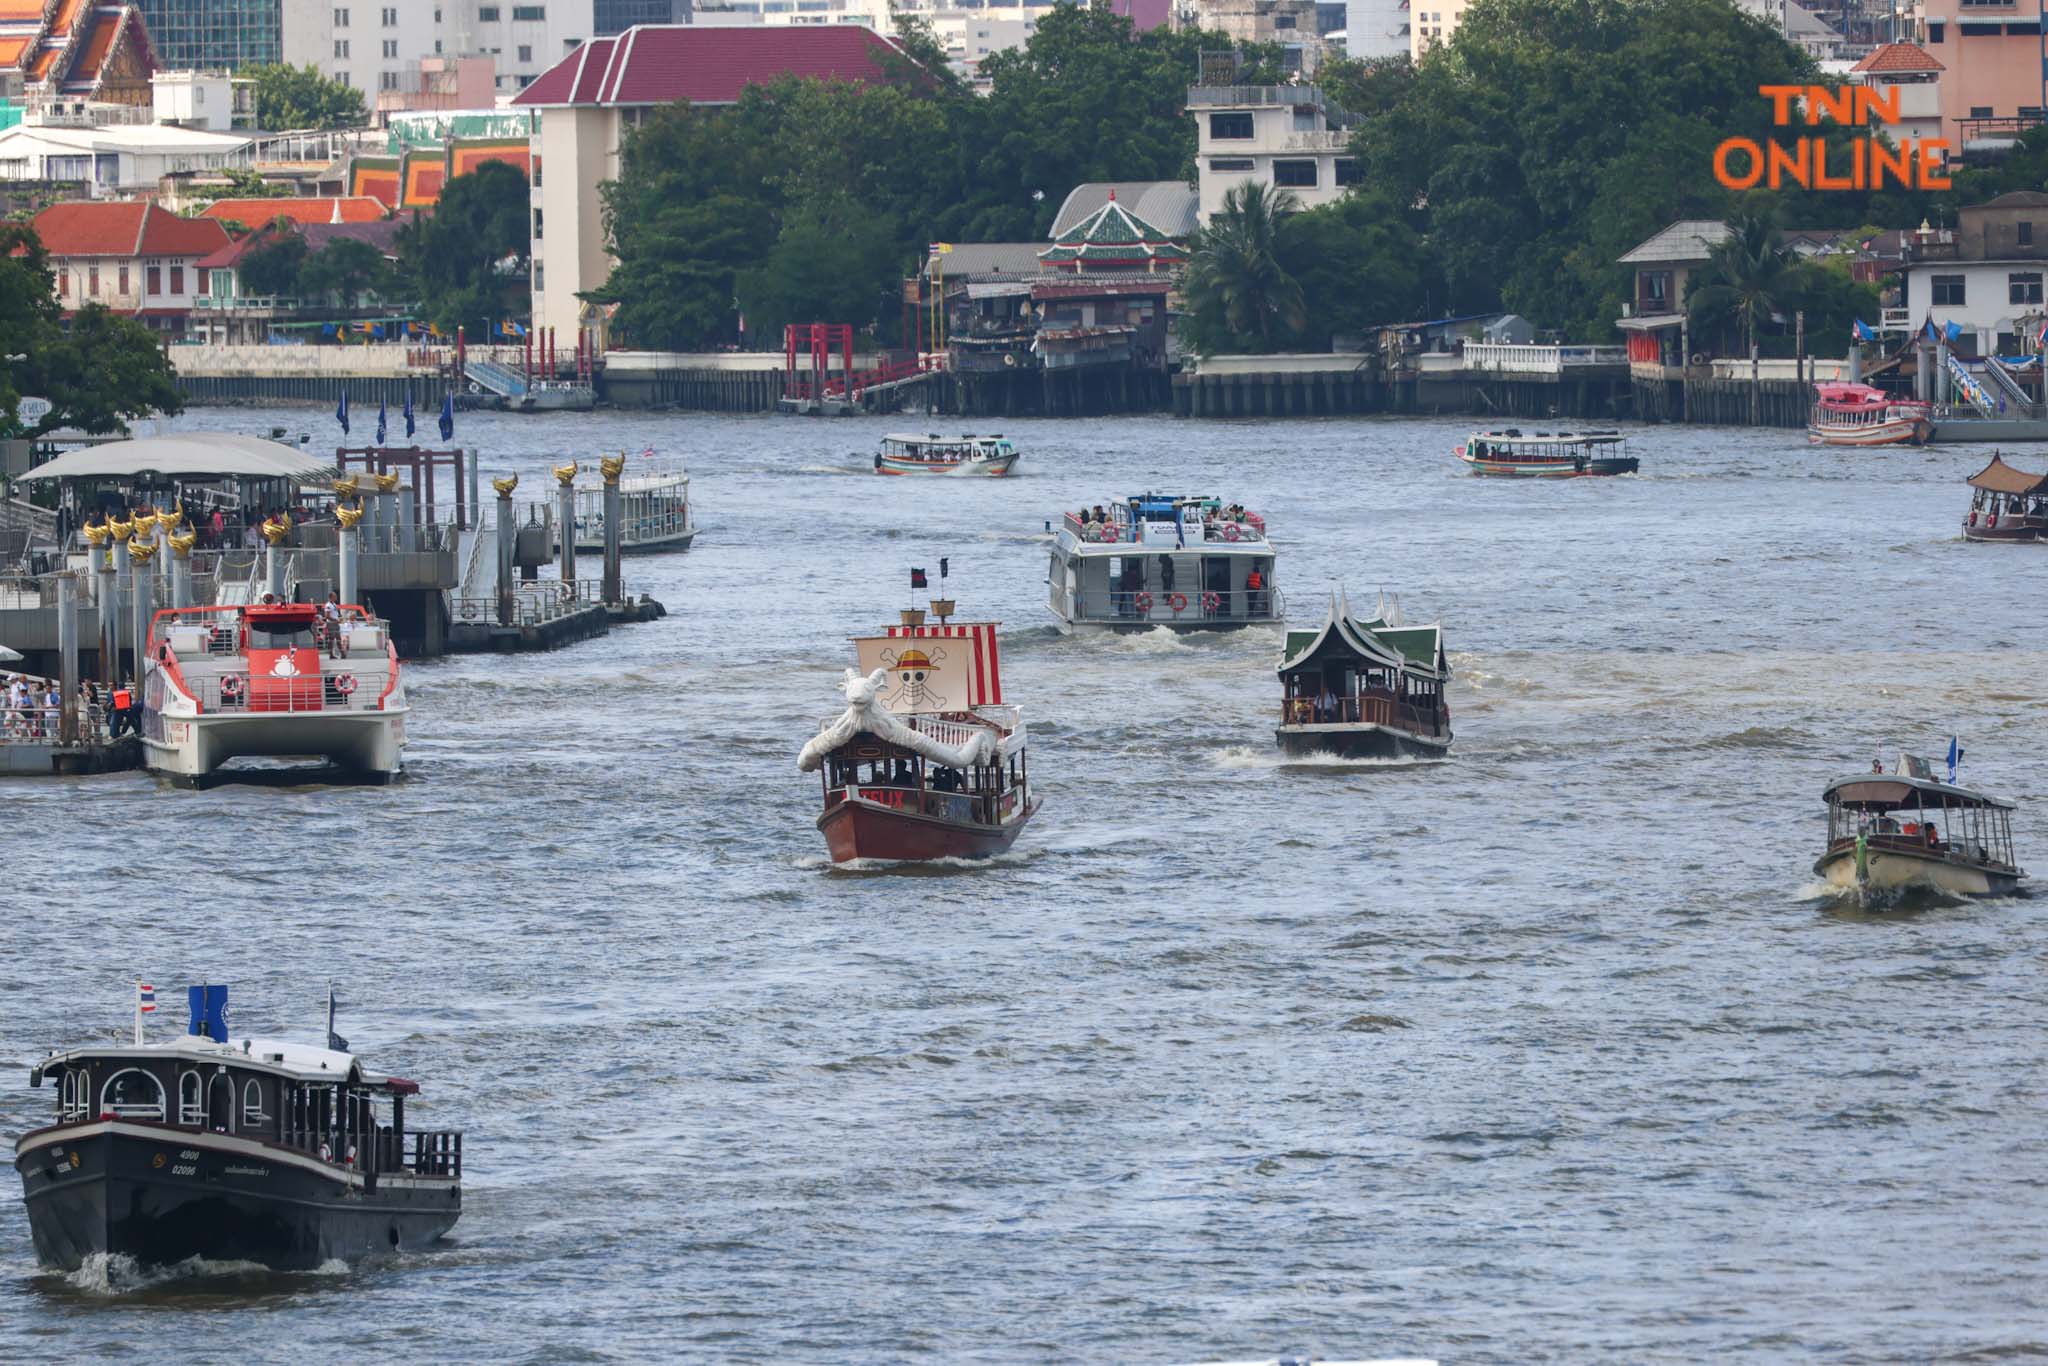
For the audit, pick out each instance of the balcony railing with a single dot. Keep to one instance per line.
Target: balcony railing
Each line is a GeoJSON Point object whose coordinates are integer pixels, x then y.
{"type": "Point", "coordinates": [1539, 360]}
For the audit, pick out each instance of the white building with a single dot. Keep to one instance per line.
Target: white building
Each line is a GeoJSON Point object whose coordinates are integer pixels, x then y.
{"type": "Point", "coordinates": [1277, 135]}
{"type": "Point", "coordinates": [212, 100]}
{"type": "Point", "coordinates": [1985, 275]}
{"type": "Point", "coordinates": [115, 160]}
{"type": "Point", "coordinates": [1374, 29]}
{"type": "Point", "coordinates": [379, 46]}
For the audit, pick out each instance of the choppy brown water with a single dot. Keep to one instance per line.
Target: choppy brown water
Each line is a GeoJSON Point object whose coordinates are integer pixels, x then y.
{"type": "Point", "coordinates": [1545, 1053]}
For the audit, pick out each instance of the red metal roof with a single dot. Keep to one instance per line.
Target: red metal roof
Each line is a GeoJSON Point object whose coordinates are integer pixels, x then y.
{"type": "Point", "coordinates": [658, 64]}
{"type": "Point", "coordinates": [1899, 57]}
{"type": "Point", "coordinates": [125, 229]}
{"type": "Point", "coordinates": [354, 209]}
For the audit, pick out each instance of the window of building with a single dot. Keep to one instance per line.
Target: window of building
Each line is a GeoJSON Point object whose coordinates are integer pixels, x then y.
{"type": "Point", "coordinates": [341, 18]}
{"type": "Point", "coordinates": [1936, 32]}
{"type": "Point", "coordinates": [2026, 234]}
{"type": "Point", "coordinates": [1948, 289]}
{"type": "Point", "coordinates": [487, 14]}
{"type": "Point", "coordinates": [390, 17]}
{"type": "Point", "coordinates": [539, 276]}
{"type": "Point", "coordinates": [92, 281]}
{"type": "Point", "coordinates": [341, 50]}
{"type": "Point", "coordinates": [1345, 171]}
{"type": "Point", "coordinates": [2024, 286]}
{"type": "Point", "coordinates": [63, 284]}
{"type": "Point", "coordinates": [390, 49]}
{"type": "Point", "coordinates": [205, 280]}
{"type": "Point", "coordinates": [1230, 125]}
{"type": "Point", "coordinates": [153, 280]}
{"type": "Point", "coordinates": [1295, 174]}
{"type": "Point", "coordinates": [1230, 163]}
{"type": "Point", "coordinates": [538, 225]}
{"type": "Point", "coordinates": [1286, 21]}
{"type": "Point", "coordinates": [526, 54]}
{"type": "Point", "coordinates": [342, 76]}
{"type": "Point", "coordinates": [124, 281]}
{"type": "Point", "coordinates": [177, 279]}
{"type": "Point", "coordinates": [387, 80]}
{"type": "Point", "coordinates": [529, 14]}
{"type": "Point", "coordinates": [1980, 111]}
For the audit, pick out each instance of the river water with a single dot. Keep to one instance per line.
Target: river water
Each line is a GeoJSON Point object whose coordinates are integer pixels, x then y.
{"type": "Point", "coordinates": [1547, 1052]}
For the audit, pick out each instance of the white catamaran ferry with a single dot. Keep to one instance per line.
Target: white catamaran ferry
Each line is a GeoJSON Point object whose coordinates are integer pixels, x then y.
{"type": "Point", "coordinates": [1184, 563]}
{"type": "Point", "coordinates": [908, 453]}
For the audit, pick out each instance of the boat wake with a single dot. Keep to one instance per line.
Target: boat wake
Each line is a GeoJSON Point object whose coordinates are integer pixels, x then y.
{"type": "Point", "coordinates": [1242, 758]}
{"type": "Point", "coordinates": [937, 867]}
{"type": "Point", "coordinates": [109, 1275]}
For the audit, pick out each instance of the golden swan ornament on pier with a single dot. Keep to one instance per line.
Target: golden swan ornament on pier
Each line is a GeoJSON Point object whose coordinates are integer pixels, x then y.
{"type": "Point", "coordinates": [182, 543]}
{"type": "Point", "coordinates": [141, 551]}
{"type": "Point", "coordinates": [386, 483]}
{"type": "Point", "coordinates": [169, 520]}
{"type": "Point", "coordinates": [566, 473]}
{"type": "Point", "coordinates": [275, 532]}
{"type": "Point", "coordinates": [505, 485]}
{"type": "Point", "coordinates": [95, 536]}
{"type": "Point", "coordinates": [143, 524]}
{"type": "Point", "coordinates": [612, 466]}
{"type": "Point", "coordinates": [119, 529]}
{"type": "Point", "coordinates": [347, 516]}
{"type": "Point", "coordinates": [346, 488]}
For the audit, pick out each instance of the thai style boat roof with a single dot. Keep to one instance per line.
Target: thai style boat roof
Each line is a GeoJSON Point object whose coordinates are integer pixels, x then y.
{"type": "Point", "coordinates": [1999, 477]}
{"type": "Point", "coordinates": [1893, 791]}
{"type": "Point", "coordinates": [1413, 647]}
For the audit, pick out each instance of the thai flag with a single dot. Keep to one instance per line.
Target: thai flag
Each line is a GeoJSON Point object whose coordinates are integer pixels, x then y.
{"type": "Point", "coordinates": [145, 998]}
{"type": "Point", "coordinates": [647, 454]}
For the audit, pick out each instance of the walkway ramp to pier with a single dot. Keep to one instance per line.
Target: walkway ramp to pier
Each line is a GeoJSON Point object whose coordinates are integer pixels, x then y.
{"type": "Point", "coordinates": [477, 558]}
{"type": "Point", "coordinates": [1970, 387]}
{"type": "Point", "coordinates": [499, 379]}
{"type": "Point", "coordinates": [2018, 401]}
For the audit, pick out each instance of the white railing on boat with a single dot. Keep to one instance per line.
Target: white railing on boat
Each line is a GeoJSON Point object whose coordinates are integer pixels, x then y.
{"type": "Point", "coordinates": [1252, 529]}
{"type": "Point", "coordinates": [1159, 608]}
{"type": "Point", "coordinates": [241, 694]}
{"type": "Point", "coordinates": [953, 733]}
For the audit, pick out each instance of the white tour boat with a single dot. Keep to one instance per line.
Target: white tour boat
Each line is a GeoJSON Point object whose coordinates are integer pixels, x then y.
{"type": "Point", "coordinates": [1908, 830]}
{"type": "Point", "coordinates": [908, 453]}
{"type": "Point", "coordinates": [654, 511]}
{"type": "Point", "coordinates": [1517, 454]}
{"type": "Point", "coordinates": [1187, 564]}
{"type": "Point", "coordinates": [271, 679]}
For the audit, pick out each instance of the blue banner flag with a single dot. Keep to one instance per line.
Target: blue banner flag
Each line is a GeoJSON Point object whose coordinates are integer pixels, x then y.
{"type": "Point", "coordinates": [381, 422]}
{"type": "Point", "coordinates": [341, 412]}
{"type": "Point", "coordinates": [209, 1012]}
{"type": "Point", "coordinates": [448, 417]}
{"type": "Point", "coordinates": [1955, 755]}
{"type": "Point", "coordinates": [1863, 331]}
{"type": "Point", "coordinates": [408, 413]}
{"type": "Point", "coordinates": [1953, 330]}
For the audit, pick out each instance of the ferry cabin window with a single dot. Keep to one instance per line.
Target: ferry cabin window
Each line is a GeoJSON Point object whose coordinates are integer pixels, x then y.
{"type": "Point", "coordinates": [191, 1102]}
{"type": "Point", "coordinates": [1948, 289]}
{"type": "Point", "coordinates": [1230, 126]}
{"type": "Point", "coordinates": [1296, 174]}
{"type": "Point", "coordinates": [261, 638]}
{"type": "Point", "coordinates": [133, 1094]}
{"type": "Point", "coordinates": [2024, 286]}
{"type": "Point", "coordinates": [252, 1102]}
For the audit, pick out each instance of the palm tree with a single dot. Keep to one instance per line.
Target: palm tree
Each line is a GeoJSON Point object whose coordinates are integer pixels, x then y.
{"type": "Point", "coordinates": [1750, 277]}
{"type": "Point", "coordinates": [1236, 287]}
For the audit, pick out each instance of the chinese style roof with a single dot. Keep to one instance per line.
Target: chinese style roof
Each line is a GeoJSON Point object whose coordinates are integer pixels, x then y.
{"type": "Point", "coordinates": [1172, 206]}
{"type": "Point", "coordinates": [1112, 236]}
{"type": "Point", "coordinates": [85, 228]}
{"type": "Point", "coordinates": [325, 209]}
{"type": "Point", "coordinates": [1999, 477]}
{"type": "Point", "coordinates": [662, 63]}
{"type": "Point", "coordinates": [1898, 57]}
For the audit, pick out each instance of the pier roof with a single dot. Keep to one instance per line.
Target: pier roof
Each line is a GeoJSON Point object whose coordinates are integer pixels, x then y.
{"type": "Point", "coordinates": [185, 455]}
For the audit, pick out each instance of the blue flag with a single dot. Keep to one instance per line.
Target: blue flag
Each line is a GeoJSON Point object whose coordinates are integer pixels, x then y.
{"type": "Point", "coordinates": [209, 1012]}
{"type": "Point", "coordinates": [448, 417]}
{"type": "Point", "coordinates": [381, 428]}
{"type": "Point", "coordinates": [1863, 331]}
{"type": "Point", "coordinates": [1953, 330]}
{"type": "Point", "coordinates": [409, 426]}
{"type": "Point", "coordinates": [1955, 755]}
{"type": "Point", "coordinates": [341, 412]}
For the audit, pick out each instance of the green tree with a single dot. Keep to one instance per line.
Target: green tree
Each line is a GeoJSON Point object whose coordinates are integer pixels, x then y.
{"type": "Point", "coordinates": [304, 97]}
{"type": "Point", "coordinates": [1358, 262]}
{"type": "Point", "coordinates": [240, 185]}
{"type": "Point", "coordinates": [343, 272]}
{"type": "Point", "coordinates": [97, 374]}
{"type": "Point", "coordinates": [468, 261]}
{"type": "Point", "coordinates": [272, 268]}
{"type": "Point", "coordinates": [1751, 277]}
{"type": "Point", "coordinates": [1239, 295]}
{"type": "Point", "coordinates": [833, 260]}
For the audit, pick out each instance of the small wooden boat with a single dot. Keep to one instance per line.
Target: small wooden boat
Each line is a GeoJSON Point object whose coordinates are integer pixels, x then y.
{"type": "Point", "coordinates": [256, 1150]}
{"type": "Point", "coordinates": [2009, 505]}
{"type": "Point", "coordinates": [1846, 414]}
{"type": "Point", "coordinates": [907, 453]}
{"type": "Point", "coordinates": [1365, 689]}
{"type": "Point", "coordinates": [1907, 830]}
{"type": "Point", "coordinates": [1547, 455]}
{"type": "Point", "coordinates": [926, 761]}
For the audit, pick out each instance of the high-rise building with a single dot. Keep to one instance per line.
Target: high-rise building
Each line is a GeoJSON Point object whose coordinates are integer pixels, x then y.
{"type": "Point", "coordinates": [616, 16]}
{"type": "Point", "coordinates": [214, 35]}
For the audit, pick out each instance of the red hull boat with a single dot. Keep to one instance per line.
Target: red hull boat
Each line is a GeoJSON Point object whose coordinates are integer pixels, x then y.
{"type": "Point", "coordinates": [926, 762]}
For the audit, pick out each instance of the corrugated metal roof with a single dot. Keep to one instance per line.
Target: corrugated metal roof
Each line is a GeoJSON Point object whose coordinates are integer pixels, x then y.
{"type": "Point", "coordinates": [1171, 206]}
{"type": "Point", "coordinates": [1689, 239]}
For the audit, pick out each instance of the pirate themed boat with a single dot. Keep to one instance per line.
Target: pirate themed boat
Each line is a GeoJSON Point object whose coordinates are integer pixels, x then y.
{"type": "Point", "coordinates": [276, 679]}
{"type": "Point", "coordinates": [926, 761]}
{"type": "Point", "coordinates": [1908, 830]}
{"type": "Point", "coordinates": [906, 453]}
{"type": "Point", "coordinates": [1848, 414]}
{"type": "Point", "coordinates": [2009, 505]}
{"type": "Point", "coordinates": [286, 1154]}
{"type": "Point", "coordinates": [1547, 455]}
{"type": "Point", "coordinates": [1155, 559]}
{"type": "Point", "coordinates": [1365, 689]}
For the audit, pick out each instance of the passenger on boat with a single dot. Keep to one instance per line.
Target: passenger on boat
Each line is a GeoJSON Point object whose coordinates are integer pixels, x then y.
{"type": "Point", "coordinates": [1326, 704]}
{"type": "Point", "coordinates": [1255, 593]}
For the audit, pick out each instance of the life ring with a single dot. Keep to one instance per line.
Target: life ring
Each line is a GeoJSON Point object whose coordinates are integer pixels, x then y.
{"type": "Point", "coordinates": [1992, 521]}
{"type": "Point", "coordinates": [345, 684]}
{"type": "Point", "coordinates": [1210, 602]}
{"type": "Point", "coordinates": [1230, 532]}
{"type": "Point", "coordinates": [326, 1153]}
{"type": "Point", "coordinates": [1973, 519]}
{"type": "Point", "coordinates": [1178, 602]}
{"type": "Point", "coordinates": [1143, 602]}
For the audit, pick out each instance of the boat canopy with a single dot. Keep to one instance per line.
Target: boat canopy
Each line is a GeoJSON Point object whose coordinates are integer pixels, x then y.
{"type": "Point", "coordinates": [1418, 649]}
{"type": "Point", "coordinates": [1515, 436]}
{"type": "Point", "coordinates": [1900, 791]}
{"type": "Point", "coordinates": [185, 455]}
{"type": "Point", "coordinates": [1999, 477]}
{"type": "Point", "coordinates": [1844, 391]}
{"type": "Point", "coordinates": [298, 1061]}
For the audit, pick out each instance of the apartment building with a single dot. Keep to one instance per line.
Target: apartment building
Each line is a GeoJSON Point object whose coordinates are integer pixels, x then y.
{"type": "Point", "coordinates": [1284, 136]}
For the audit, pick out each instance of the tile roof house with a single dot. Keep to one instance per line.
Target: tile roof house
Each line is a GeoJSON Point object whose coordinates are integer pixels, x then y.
{"type": "Point", "coordinates": [594, 94]}
{"type": "Point", "coordinates": [325, 209]}
{"type": "Point", "coordinates": [134, 258]}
